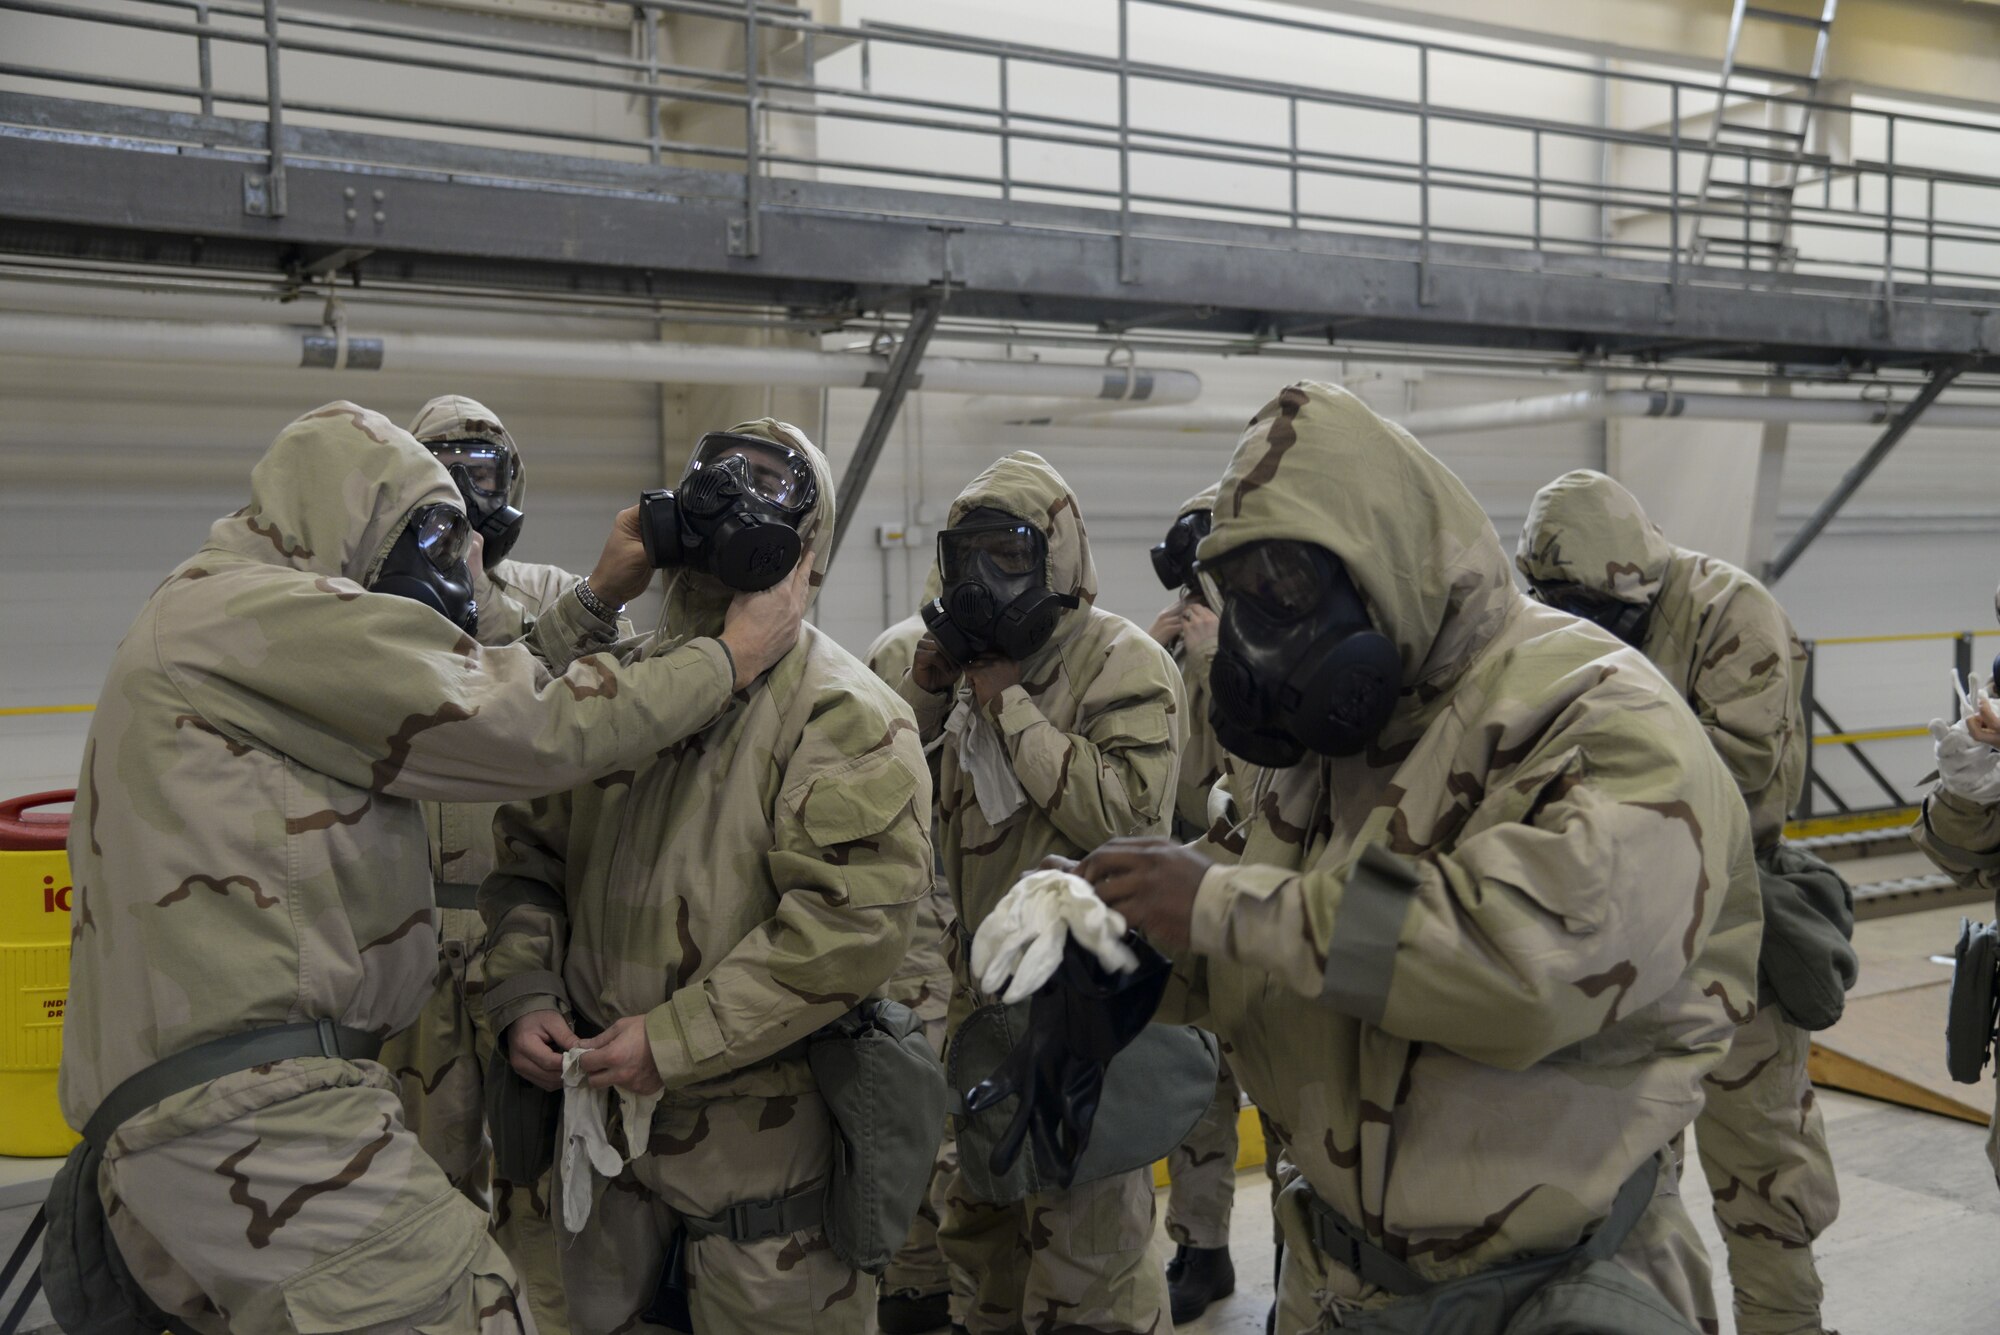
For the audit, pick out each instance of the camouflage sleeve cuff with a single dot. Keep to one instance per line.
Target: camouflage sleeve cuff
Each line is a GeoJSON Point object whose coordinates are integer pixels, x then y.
{"type": "Point", "coordinates": [511, 998]}
{"type": "Point", "coordinates": [567, 631]}
{"type": "Point", "coordinates": [1221, 886]}
{"type": "Point", "coordinates": [684, 1037]}
{"type": "Point", "coordinates": [1018, 711]}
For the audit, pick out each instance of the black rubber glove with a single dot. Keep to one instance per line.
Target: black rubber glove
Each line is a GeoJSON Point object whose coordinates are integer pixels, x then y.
{"type": "Point", "coordinates": [1079, 1020]}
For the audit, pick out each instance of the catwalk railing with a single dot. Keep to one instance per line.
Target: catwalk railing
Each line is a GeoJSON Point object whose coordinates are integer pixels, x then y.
{"type": "Point", "coordinates": [1887, 196]}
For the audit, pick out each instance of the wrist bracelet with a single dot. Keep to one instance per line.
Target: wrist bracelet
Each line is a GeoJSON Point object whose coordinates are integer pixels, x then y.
{"type": "Point", "coordinates": [595, 605]}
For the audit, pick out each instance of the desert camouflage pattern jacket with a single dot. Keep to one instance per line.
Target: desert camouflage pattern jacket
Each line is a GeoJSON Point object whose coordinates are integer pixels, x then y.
{"type": "Point", "coordinates": [1094, 727]}
{"type": "Point", "coordinates": [1475, 973]}
{"type": "Point", "coordinates": [1716, 634]}
{"type": "Point", "coordinates": [740, 889]}
{"type": "Point", "coordinates": [247, 846]}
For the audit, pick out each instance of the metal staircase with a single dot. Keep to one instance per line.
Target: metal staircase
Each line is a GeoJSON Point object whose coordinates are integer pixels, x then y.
{"type": "Point", "coordinates": [1750, 170]}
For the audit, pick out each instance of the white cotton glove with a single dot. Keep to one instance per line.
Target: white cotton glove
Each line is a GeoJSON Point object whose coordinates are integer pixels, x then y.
{"type": "Point", "coordinates": [1022, 939]}
{"type": "Point", "coordinates": [1967, 767]}
{"type": "Point", "coordinates": [984, 756]}
{"type": "Point", "coordinates": [584, 1137]}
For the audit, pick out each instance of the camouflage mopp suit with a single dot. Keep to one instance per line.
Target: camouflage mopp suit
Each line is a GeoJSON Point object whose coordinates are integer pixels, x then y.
{"type": "Point", "coordinates": [739, 891]}
{"type": "Point", "coordinates": [249, 851]}
{"type": "Point", "coordinates": [440, 1059]}
{"type": "Point", "coordinates": [1475, 973]}
{"type": "Point", "coordinates": [1093, 730]}
{"type": "Point", "coordinates": [1723, 642]}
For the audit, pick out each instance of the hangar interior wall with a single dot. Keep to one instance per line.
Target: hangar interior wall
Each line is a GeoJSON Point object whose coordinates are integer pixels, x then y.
{"type": "Point", "coordinates": [110, 473]}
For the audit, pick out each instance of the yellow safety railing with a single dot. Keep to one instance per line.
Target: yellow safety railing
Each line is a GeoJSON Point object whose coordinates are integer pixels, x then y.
{"type": "Point", "coordinates": [16, 711]}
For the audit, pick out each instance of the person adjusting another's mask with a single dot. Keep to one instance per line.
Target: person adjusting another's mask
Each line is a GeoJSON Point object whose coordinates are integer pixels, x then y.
{"type": "Point", "coordinates": [737, 513]}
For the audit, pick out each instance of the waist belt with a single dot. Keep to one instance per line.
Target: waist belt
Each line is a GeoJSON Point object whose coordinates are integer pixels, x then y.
{"type": "Point", "coordinates": [748, 1221]}
{"type": "Point", "coordinates": [224, 1056]}
{"type": "Point", "coordinates": [1346, 1245]}
{"type": "Point", "coordinates": [456, 895]}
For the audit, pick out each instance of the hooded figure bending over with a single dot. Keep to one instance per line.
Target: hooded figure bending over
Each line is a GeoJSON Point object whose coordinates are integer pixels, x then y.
{"type": "Point", "coordinates": [1723, 642]}
{"type": "Point", "coordinates": [1494, 913]}
{"type": "Point", "coordinates": [249, 854]}
{"type": "Point", "coordinates": [690, 921]}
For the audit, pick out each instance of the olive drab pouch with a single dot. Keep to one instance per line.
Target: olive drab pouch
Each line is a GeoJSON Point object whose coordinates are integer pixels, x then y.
{"type": "Point", "coordinates": [886, 1091]}
{"type": "Point", "coordinates": [1975, 1000]}
{"type": "Point", "coordinates": [1155, 1090]}
{"type": "Point", "coordinates": [1808, 962]}
{"type": "Point", "coordinates": [522, 1121]}
{"type": "Point", "coordinates": [90, 1289]}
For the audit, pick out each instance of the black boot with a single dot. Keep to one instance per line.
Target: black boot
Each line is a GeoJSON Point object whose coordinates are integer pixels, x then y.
{"type": "Point", "coordinates": [909, 1313]}
{"type": "Point", "coordinates": [1196, 1277]}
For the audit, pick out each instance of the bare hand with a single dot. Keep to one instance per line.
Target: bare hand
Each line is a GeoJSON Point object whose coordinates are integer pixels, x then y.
{"type": "Point", "coordinates": [761, 628]}
{"type": "Point", "coordinates": [535, 1045]}
{"type": "Point", "coordinates": [621, 1057]}
{"type": "Point", "coordinates": [1152, 881]}
{"type": "Point", "coordinates": [1984, 724]}
{"type": "Point", "coordinates": [990, 676]}
{"type": "Point", "coordinates": [622, 571]}
{"type": "Point", "coordinates": [932, 669]}
{"type": "Point", "coordinates": [1166, 627]}
{"type": "Point", "coordinates": [1198, 627]}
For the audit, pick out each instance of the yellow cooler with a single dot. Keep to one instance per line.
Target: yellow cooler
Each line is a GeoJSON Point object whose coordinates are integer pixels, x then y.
{"type": "Point", "coordinates": [34, 972]}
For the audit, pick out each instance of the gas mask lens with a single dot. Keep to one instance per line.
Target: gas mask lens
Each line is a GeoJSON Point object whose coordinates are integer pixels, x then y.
{"type": "Point", "coordinates": [1279, 579]}
{"type": "Point", "coordinates": [443, 536]}
{"type": "Point", "coordinates": [772, 473]}
{"type": "Point", "coordinates": [1013, 550]}
{"type": "Point", "coordinates": [489, 468]}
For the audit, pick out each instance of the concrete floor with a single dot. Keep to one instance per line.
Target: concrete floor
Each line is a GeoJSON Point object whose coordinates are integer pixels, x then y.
{"type": "Point", "coordinates": [1916, 1247]}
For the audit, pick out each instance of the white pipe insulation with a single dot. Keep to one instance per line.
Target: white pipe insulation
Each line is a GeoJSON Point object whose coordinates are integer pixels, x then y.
{"type": "Point", "coordinates": [282, 346]}
{"type": "Point", "coordinates": [1579, 406]}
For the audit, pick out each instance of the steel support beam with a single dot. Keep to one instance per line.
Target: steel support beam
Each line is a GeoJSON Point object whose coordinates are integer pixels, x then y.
{"type": "Point", "coordinates": [897, 382]}
{"type": "Point", "coordinates": [1862, 470]}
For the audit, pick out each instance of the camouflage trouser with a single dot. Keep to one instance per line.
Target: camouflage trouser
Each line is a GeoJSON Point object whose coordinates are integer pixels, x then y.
{"type": "Point", "coordinates": [1201, 1170]}
{"type": "Point", "coordinates": [439, 1061]}
{"type": "Point", "coordinates": [919, 1267]}
{"type": "Point", "coordinates": [1663, 1249]}
{"type": "Point", "coordinates": [1763, 1147]}
{"type": "Point", "coordinates": [703, 1158]}
{"type": "Point", "coordinates": [1059, 1260]}
{"type": "Point", "coordinates": [292, 1198]}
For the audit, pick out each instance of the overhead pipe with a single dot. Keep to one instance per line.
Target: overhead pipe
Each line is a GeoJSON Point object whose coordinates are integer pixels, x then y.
{"type": "Point", "coordinates": [1582, 405]}
{"type": "Point", "coordinates": [293, 346]}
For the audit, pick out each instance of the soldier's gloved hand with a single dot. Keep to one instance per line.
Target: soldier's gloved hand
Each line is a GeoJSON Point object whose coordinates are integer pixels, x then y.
{"type": "Point", "coordinates": [1080, 1019]}
{"type": "Point", "coordinates": [1967, 767]}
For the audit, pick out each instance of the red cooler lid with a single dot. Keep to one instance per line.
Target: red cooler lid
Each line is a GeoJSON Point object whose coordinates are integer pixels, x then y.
{"type": "Point", "coordinates": [23, 830]}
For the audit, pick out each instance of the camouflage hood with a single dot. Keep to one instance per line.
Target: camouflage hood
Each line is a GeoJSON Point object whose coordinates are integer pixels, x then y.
{"type": "Point", "coordinates": [456, 417]}
{"type": "Point", "coordinates": [696, 602]}
{"type": "Point", "coordinates": [1586, 529]}
{"type": "Point", "coordinates": [1201, 500]}
{"type": "Point", "coordinates": [1027, 486]}
{"type": "Point", "coordinates": [1318, 465]}
{"type": "Point", "coordinates": [333, 502]}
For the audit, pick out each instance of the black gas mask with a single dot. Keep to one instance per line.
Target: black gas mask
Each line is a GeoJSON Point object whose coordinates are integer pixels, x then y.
{"type": "Point", "coordinates": [1298, 664]}
{"type": "Point", "coordinates": [1173, 557]}
{"type": "Point", "coordinates": [736, 513]}
{"type": "Point", "coordinates": [1628, 621]}
{"type": "Point", "coordinates": [484, 473]}
{"type": "Point", "coordinates": [426, 564]}
{"type": "Point", "coordinates": [996, 595]}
